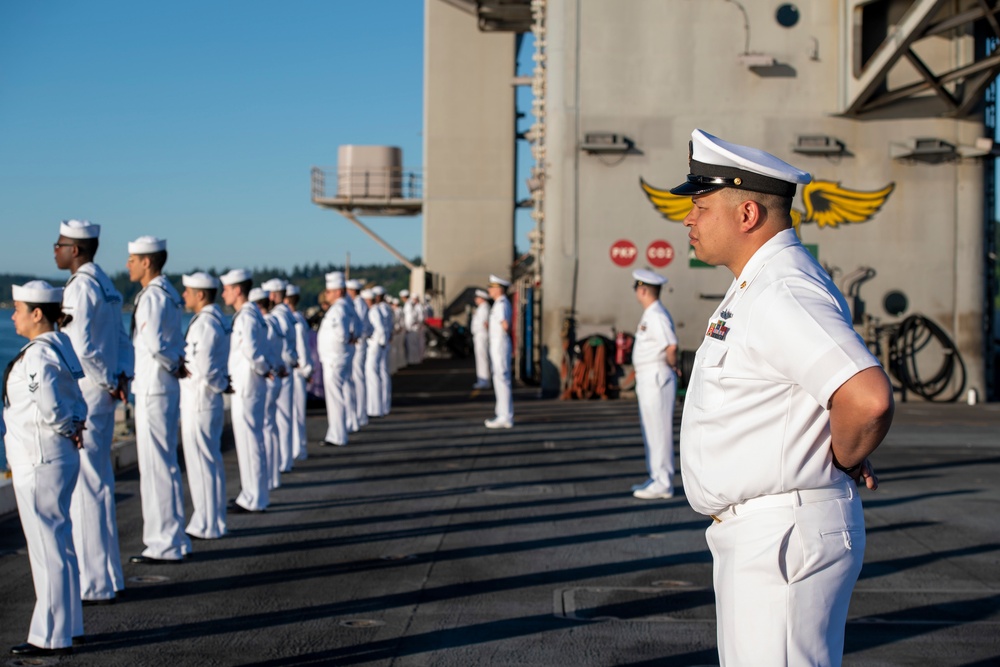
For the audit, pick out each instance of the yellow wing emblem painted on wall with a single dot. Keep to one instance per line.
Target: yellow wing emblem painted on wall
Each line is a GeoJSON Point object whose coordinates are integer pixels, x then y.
{"type": "Point", "coordinates": [828, 204]}
{"type": "Point", "coordinates": [673, 207]}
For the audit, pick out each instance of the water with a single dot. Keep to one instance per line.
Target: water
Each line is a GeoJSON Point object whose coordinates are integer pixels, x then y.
{"type": "Point", "coordinates": [11, 344]}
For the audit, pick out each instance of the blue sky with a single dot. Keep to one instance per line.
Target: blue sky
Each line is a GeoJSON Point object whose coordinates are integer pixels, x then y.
{"type": "Point", "coordinates": [199, 122]}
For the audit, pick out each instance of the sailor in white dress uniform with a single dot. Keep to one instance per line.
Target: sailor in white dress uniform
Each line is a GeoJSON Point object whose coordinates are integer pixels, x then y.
{"type": "Point", "coordinates": [94, 324]}
{"type": "Point", "coordinates": [285, 320]}
{"type": "Point", "coordinates": [654, 357]}
{"type": "Point", "coordinates": [302, 373]}
{"type": "Point", "coordinates": [159, 364]}
{"type": "Point", "coordinates": [45, 412]}
{"type": "Point", "coordinates": [354, 292]}
{"type": "Point", "coordinates": [481, 338]}
{"type": "Point", "coordinates": [248, 370]}
{"type": "Point", "coordinates": [273, 350]}
{"type": "Point", "coordinates": [332, 343]}
{"type": "Point", "coordinates": [784, 404]}
{"type": "Point", "coordinates": [355, 327]}
{"type": "Point", "coordinates": [206, 354]}
{"type": "Point", "coordinates": [500, 353]}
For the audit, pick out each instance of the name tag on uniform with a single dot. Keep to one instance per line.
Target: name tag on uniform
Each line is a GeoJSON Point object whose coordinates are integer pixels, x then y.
{"type": "Point", "coordinates": [718, 330]}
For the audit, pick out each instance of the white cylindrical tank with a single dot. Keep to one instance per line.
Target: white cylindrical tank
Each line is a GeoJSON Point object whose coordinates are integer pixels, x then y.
{"type": "Point", "coordinates": [369, 171]}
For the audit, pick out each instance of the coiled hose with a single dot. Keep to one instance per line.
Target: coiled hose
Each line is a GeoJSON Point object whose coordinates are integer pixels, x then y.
{"type": "Point", "coordinates": [910, 338]}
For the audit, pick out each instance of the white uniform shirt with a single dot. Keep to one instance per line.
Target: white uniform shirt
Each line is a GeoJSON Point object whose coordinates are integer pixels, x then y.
{"type": "Point", "coordinates": [755, 414]}
{"type": "Point", "coordinates": [380, 328]}
{"type": "Point", "coordinates": [652, 338]}
{"type": "Point", "coordinates": [354, 324]}
{"type": "Point", "coordinates": [42, 401]}
{"type": "Point", "coordinates": [274, 350]}
{"type": "Point", "coordinates": [96, 330]}
{"type": "Point", "coordinates": [207, 354]}
{"type": "Point", "coordinates": [361, 308]}
{"type": "Point", "coordinates": [500, 312]}
{"type": "Point", "coordinates": [410, 319]}
{"type": "Point", "coordinates": [388, 320]}
{"type": "Point", "coordinates": [480, 321]}
{"type": "Point", "coordinates": [286, 330]}
{"type": "Point", "coordinates": [334, 333]}
{"type": "Point", "coordinates": [158, 339]}
{"type": "Point", "coordinates": [305, 368]}
{"type": "Point", "coordinates": [247, 346]}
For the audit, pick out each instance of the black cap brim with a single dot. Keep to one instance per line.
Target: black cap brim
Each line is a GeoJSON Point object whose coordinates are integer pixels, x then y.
{"type": "Point", "coordinates": [691, 189]}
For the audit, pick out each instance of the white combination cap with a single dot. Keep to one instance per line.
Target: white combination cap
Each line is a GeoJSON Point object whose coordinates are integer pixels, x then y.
{"type": "Point", "coordinates": [647, 277]}
{"type": "Point", "coordinates": [275, 285]}
{"type": "Point", "coordinates": [497, 280]}
{"type": "Point", "coordinates": [355, 284]}
{"type": "Point", "coordinates": [715, 164]}
{"type": "Point", "coordinates": [335, 280]}
{"type": "Point", "coordinates": [378, 290]}
{"type": "Point", "coordinates": [200, 280]}
{"type": "Point", "coordinates": [257, 294]}
{"type": "Point", "coordinates": [79, 229]}
{"type": "Point", "coordinates": [404, 293]}
{"type": "Point", "coordinates": [37, 291]}
{"type": "Point", "coordinates": [292, 290]}
{"type": "Point", "coordinates": [482, 294]}
{"type": "Point", "coordinates": [367, 294]}
{"type": "Point", "coordinates": [235, 276]}
{"type": "Point", "coordinates": [146, 245]}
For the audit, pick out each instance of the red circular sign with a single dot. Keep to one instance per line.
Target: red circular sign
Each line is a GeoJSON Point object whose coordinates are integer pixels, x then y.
{"type": "Point", "coordinates": [623, 252]}
{"type": "Point", "coordinates": [660, 253]}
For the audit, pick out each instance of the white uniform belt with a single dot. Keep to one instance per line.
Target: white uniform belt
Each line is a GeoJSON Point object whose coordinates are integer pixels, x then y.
{"type": "Point", "coordinates": [788, 499]}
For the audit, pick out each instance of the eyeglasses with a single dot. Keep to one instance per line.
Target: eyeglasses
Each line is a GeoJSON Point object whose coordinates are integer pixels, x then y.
{"type": "Point", "coordinates": [56, 246]}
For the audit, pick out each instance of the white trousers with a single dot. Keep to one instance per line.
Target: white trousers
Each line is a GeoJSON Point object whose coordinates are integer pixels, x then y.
{"type": "Point", "coordinates": [360, 382]}
{"type": "Point", "coordinates": [284, 422]}
{"type": "Point", "coordinates": [784, 575]}
{"type": "Point", "coordinates": [95, 525]}
{"type": "Point", "coordinates": [299, 398]}
{"type": "Point", "coordinates": [500, 360]}
{"type": "Point", "coordinates": [481, 346]}
{"type": "Point", "coordinates": [335, 376]}
{"type": "Point", "coordinates": [201, 438]}
{"type": "Point", "coordinates": [271, 445]}
{"type": "Point", "coordinates": [351, 394]}
{"type": "Point", "coordinates": [656, 390]}
{"type": "Point", "coordinates": [43, 495]}
{"type": "Point", "coordinates": [386, 381]}
{"type": "Point", "coordinates": [157, 418]}
{"type": "Point", "coordinates": [247, 414]}
{"type": "Point", "coordinates": [374, 364]}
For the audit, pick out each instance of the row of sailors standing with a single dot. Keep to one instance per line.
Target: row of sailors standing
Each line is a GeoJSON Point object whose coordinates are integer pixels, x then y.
{"type": "Point", "coordinates": [59, 400]}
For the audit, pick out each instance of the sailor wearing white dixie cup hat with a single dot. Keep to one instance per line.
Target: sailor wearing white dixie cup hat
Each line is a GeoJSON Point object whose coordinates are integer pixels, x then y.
{"type": "Point", "coordinates": [358, 379]}
{"type": "Point", "coordinates": [206, 354]}
{"type": "Point", "coordinates": [332, 343]}
{"type": "Point", "coordinates": [284, 420]}
{"type": "Point", "coordinates": [356, 327]}
{"type": "Point", "coordinates": [500, 353]}
{"type": "Point", "coordinates": [248, 370]}
{"type": "Point", "coordinates": [302, 373]}
{"type": "Point", "coordinates": [783, 406]}
{"type": "Point", "coordinates": [159, 364]}
{"type": "Point", "coordinates": [654, 357]}
{"type": "Point", "coordinates": [45, 412]}
{"type": "Point", "coordinates": [259, 297]}
{"type": "Point", "coordinates": [481, 338]}
{"type": "Point", "coordinates": [377, 377]}
{"type": "Point", "coordinates": [93, 309]}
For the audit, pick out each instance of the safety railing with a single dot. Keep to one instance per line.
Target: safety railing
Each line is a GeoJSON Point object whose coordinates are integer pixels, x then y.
{"type": "Point", "coordinates": [379, 184]}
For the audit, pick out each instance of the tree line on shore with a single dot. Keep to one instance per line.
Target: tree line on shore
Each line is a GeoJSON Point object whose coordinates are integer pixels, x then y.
{"type": "Point", "coordinates": [310, 278]}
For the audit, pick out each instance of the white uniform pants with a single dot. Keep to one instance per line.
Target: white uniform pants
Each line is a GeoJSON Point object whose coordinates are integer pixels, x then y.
{"type": "Point", "coordinates": [271, 445]}
{"type": "Point", "coordinates": [285, 426]}
{"type": "Point", "coordinates": [481, 346]}
{"type": "Point", "coordinates": [299, 417]}
{"type": "Point", "coordinates": [413, 348]}
{"type": "Point", "coordinates": [43, 495]}
{"type": "Point", "coordinates": [360, 382]}
{"type": "Point", "coordinates": [201, 438]}
{"type": "Point", "coordinates": [95, 525]}
{"type": "Point", "coordinates": [784, 575]}
{"type": "Point", "coordinates": [351, 394]}
{"type": "Point", "coordinates": [157, 418]}
{"type": "Point", "coordinates": [247, 414]}
{"type": "Point", "coordinates": [374, 364]}
{"type": "Point", "coordinates": [386, 383]}
{"type": "Point", "coordinates": [656, 390]}
{"type": "Point", "coordinates": [500, 360]}
{"type": "Point", "coordinates": [335, 376]}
